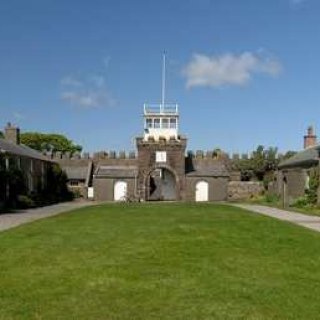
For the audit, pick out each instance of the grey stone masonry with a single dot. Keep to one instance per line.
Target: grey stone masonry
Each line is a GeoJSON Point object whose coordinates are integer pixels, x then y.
{"type": "Point", "coordinates": [242, 190]}
{"type": "Point", "coordinates": [175, 162]}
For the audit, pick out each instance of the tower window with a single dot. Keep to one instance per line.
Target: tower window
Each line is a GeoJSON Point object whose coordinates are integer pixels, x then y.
{"type": "Point", "coordinates": [165, 123]}
{"type": "Point", "coordinates": [148, 123]}
{"type": "Point", "coordinates": [173, 123]}
{"type": "Point", "coordinates": [157, 123]}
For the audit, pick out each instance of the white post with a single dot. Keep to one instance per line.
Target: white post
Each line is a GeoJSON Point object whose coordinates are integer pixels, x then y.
{"type": "Point", "coordinates": [163, 82]}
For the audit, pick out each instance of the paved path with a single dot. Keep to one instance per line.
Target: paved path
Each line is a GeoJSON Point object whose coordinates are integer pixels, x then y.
{"type": "Point", "coordinates": [310, 222]}
{"type": "Point", "coordinates": [11, 220]}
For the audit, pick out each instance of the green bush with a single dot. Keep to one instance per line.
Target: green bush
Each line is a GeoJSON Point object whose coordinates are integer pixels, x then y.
{"type": "Point", "coordinates": [272, 198]}
{"type": "Point", "coordinates": [56, 189]}
{"type": "Point", "coordinates": [25, 202]}
{"type": "Point", "coordinates": [301, 202]}
{"type": "Point", "coordinates": [76, 194]}
{"type": "Point", "coordinates": [312, 192]}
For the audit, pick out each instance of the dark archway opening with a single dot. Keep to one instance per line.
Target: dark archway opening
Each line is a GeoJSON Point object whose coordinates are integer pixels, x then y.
{"type": "Point", "coordinates": [162, 185]}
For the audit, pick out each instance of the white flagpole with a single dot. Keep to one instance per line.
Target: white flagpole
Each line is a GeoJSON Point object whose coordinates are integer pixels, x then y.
{"type": "Point", "coordinates": [163, 81]}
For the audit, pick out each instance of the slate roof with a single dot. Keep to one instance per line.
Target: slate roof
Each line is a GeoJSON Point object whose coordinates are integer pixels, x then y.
{"type": "Point", "coordinates": [305, 158]}
{"type": "Point", "coordinates": [209, 170]}
{"type": "Point", "coordinates": [116, 171]}
{"type": "Point", "coordinates": [22, 150]}
{"type": "Point", "coordinates": [76, 173]}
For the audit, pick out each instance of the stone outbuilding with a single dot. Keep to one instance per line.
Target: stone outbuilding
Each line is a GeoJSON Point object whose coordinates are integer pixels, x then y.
{"type": "Point", "coordinates": [294, 173]}
{"type": "Point", "coordinates": [33, 164]}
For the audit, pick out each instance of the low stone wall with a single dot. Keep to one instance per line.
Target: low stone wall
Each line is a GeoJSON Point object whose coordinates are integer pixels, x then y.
{"type": "Point", "coordinates": [242, 190]}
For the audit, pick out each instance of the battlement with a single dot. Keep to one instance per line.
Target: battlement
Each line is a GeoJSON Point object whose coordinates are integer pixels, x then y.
{"type": "Point", "coordinates": [207, 154]}
{"type": "Point", "coordinates": [162, 140]}
{"type": "Point", "coordinates": [198, 154]}
{"type": "Point", "coordinates": [87, 156]}
{"type": "Point", "coordinates": [217, 154]}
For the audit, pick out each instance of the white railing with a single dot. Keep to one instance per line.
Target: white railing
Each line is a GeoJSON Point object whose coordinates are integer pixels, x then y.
{"type": "Point", "coordinates": [160, 109]}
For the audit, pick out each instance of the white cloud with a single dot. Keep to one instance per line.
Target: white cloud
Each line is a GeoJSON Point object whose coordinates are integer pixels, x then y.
{"type": "Point", "coordinates": [297, 3]}
{"type": "Point", "coordinates": [228, 69]}
{"type": "Point", "coordinates": [98, 81]}
{"type": "Point", "coordinates": [88, 100]}
{"type": "Point", "coordinates": [90, 92]}
{"type": "Point", "coordinates": [71, 81]}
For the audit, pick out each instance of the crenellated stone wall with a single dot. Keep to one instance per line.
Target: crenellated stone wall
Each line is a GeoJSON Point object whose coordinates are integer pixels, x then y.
{"type": "Point", "coordinates": [101, 155]}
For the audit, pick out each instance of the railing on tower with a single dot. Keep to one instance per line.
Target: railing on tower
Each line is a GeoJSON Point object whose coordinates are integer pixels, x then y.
{"type": "Point", "coordinates": [160, 109]}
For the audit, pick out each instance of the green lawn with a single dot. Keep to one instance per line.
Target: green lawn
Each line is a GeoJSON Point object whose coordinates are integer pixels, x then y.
{"type": "Point", "coordinates": [152, 261]}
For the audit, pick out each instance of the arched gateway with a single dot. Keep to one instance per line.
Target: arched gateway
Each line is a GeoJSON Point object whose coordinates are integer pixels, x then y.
{"type": "Point", "coordinates": [161, 185]}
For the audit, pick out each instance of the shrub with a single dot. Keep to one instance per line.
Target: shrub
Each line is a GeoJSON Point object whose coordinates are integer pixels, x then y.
{"type": "Point", "coordinates": [76, 194]}
{"type": "Point", "coordinates": [272, 198]}
{"type": "Point", "coordinates": [312, 192]}
{"type": "Point", "coordinates": [56, 189]}
{"type": "Point", "coordinates": [25, 202]}
{"type": "Point", "coordinates": [301, 202]}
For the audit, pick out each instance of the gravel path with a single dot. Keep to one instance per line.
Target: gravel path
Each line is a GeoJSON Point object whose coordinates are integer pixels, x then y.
{"type": "Point", "coordinates": [310, 222]}
{"type": "Point", "coordinates": [11, 220]}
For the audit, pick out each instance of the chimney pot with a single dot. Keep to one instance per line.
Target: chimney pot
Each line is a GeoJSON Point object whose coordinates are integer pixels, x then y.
{"type": "Point", "coordinates": [12, 133]}
{"type": "Point", "coordinates": [310, 140]}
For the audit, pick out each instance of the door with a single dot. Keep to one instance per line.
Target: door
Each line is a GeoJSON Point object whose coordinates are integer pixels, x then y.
{"type": "Point", "coordinates": [202, 191]}
{"type": "Point", "coordinates": [120, 191]}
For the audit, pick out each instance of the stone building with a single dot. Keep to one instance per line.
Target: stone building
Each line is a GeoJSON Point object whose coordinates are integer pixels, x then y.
{"type": "Point", "coordinates": [293, 176]}
{"type": "Point", "coordinates": [32, 163]}
{"type": "Point", "coordinates": [160, 169]}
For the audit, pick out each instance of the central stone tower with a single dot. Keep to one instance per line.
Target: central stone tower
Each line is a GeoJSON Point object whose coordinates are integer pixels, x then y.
{"type": "Point", "coordinates": [161, 153]}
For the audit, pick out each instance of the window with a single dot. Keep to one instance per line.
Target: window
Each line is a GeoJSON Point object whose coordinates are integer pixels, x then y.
{"type": "Point", "coordinates": [161, 156]}
{"type": "Point", "coordinates": [31, 166]}
{"type": "Point", "coordinates": [19, 162]}
{"type": "Point", "coordinates": [74, 183]}
{"type": "Point", "coordinates": [165, 123]}
{"type": "Point", "coordinates": [148, 123]}
{"type": "Point", "coordinates": [173, 123]}
{"type": "Point", "coordinates": [157, 123]}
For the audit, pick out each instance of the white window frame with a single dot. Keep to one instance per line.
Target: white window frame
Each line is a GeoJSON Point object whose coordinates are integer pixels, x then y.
{"type": "Point", "coordinates": [165, 123]}
{"type": "Point", "coordinates": [161, 156]}
{"type": "Point", "coordinates": [156, 126]}
{"type": "Point", "coordinates": [173, 123]}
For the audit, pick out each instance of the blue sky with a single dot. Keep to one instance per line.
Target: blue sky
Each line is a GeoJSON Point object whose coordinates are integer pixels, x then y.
{"type": "Point", "coordinates": [243, 72]}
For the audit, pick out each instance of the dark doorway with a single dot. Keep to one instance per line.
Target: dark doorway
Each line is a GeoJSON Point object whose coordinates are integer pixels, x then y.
{"type": "Point", "coordinates": [162, 185]}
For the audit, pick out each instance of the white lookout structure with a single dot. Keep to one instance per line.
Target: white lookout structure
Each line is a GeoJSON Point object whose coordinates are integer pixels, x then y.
{"type": "Point", "coordinates": [161, 121]}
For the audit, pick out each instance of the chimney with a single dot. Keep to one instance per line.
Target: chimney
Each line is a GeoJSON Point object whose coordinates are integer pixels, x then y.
{"type": "Point", "coordinates": [12, 133]}
{"type": "Point", "coordinates": [310, 140]}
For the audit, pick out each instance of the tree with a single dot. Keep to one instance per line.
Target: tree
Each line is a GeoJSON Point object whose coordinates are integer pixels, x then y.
{"type": "Point", "coordinates": [1, 134]}
{"type": "Point", "coordinates": [49, 142]}
{"type": "Point", "coordinates": [288, 155]}
{"type": "Point", "coordinates": [260, 165]}
{"type": "Point", "coordinates": [56, 189]}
